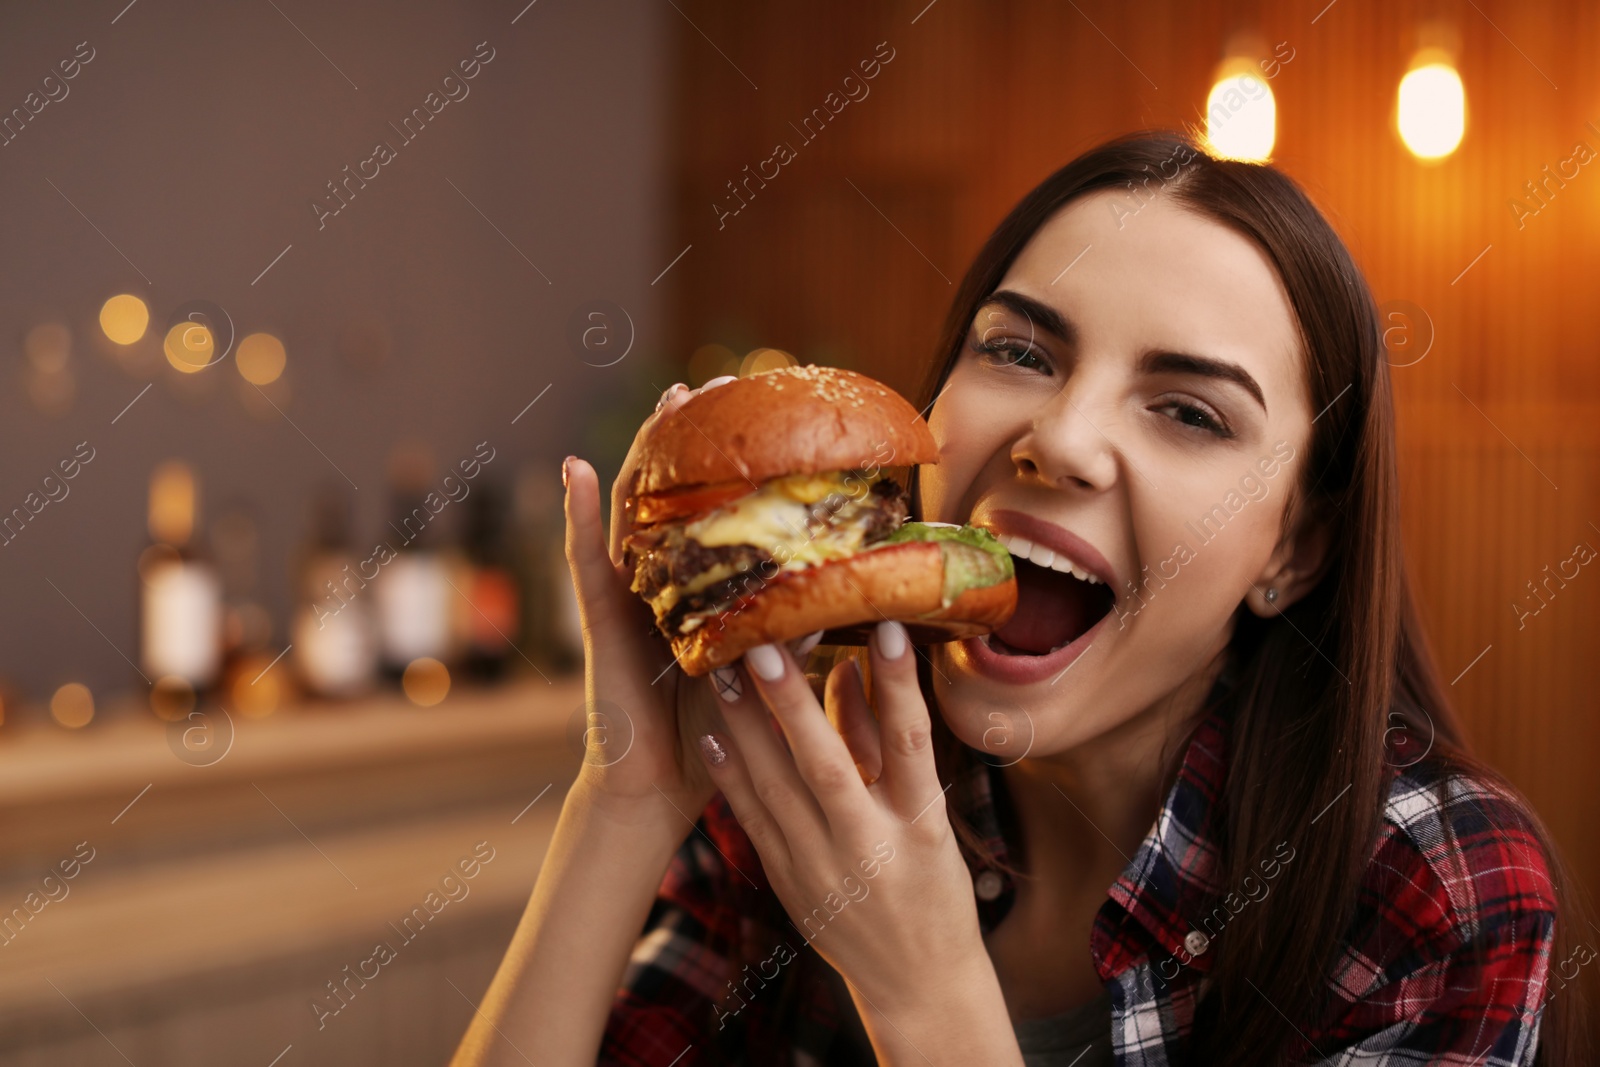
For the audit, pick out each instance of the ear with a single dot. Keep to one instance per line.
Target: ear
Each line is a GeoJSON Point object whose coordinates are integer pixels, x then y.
{"type": "Point", "coordinates": [1296, 565]}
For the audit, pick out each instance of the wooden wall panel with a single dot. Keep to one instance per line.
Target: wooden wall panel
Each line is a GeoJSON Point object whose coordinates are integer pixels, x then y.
{"type": "Point", "coordinates": [984, 99]}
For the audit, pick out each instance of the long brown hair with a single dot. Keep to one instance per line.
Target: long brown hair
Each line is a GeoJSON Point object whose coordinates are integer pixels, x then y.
{"type": "Point", "coordinates": [1316, 690]}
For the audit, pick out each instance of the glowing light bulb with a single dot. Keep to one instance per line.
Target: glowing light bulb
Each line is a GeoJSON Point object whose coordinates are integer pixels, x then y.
{"type": "Point", "coordinates": [1241, 116]}
{"type": "Point", "coordinates": [1432, 110]}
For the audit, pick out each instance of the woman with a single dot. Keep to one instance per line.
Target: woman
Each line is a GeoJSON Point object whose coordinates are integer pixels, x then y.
{"type": "Point", "coordinates": [1167, 370]}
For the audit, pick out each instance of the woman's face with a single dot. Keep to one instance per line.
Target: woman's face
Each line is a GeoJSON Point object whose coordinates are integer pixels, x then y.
{"type": "Point", "coordinates": [1130, 402]}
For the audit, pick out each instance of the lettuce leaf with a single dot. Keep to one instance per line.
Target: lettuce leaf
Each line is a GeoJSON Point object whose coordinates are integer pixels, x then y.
{"type": "Point", "coordinates": [963, 569]}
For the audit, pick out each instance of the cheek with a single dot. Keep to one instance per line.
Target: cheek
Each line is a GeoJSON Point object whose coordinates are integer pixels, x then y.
{"type": "Point", "coordinates": [973, 434]}
{"type": "Point", "coordinates": [1201, 551]}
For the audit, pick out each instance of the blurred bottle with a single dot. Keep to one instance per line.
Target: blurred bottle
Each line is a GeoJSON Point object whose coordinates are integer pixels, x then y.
{"type": "Point", "coordinates": [180, 614]}
{"type": "Point", "coordinates": [250, 683]}
{"type": "Point", "coordinates": [552, 635]}
{"type": "Point", "coordinates": [492, 614]}
{"type": "Point", "coordinates": [414, 593]}
{"type": "Point", "coordinates": [335, 646]}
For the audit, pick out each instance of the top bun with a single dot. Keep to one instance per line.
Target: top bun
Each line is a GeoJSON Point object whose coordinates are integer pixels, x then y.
{"type": "Point", "coordinates": [794, 420]}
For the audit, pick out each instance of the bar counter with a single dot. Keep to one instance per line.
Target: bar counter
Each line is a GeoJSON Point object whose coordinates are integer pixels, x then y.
{"type": "Point", "coordinates": [163, 905]}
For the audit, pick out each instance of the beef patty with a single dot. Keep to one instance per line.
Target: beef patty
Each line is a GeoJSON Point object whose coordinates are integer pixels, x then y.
{"type": "Point", "coordinates": [665, 556]}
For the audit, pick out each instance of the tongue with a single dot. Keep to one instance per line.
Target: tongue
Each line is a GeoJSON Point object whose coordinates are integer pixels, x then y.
{"type": "Point", "coordinates": [1052, 609]}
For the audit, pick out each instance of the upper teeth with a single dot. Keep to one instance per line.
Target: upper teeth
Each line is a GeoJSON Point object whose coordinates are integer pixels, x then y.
{"type": "Point", "coordinates": [1041, 556]}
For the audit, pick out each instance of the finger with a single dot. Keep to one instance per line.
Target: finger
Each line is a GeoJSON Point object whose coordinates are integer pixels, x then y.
{"type": "Point", "coordinates": [904, 729]}
{"type": "Point", "coordinates": [601, 594]}
{"type": "Point", "coordinates": [676, 395]}
{"type": "Point", "coordinates": [846, 703]}
{"type": "Point", "coordinates": [670, 394]}
{"type": "Point", "coordinates": [801, 647]}
{"type": "Point", "coordinates": [824, 762]}
{"type": "Point", "coordinates": [621, 521]}
{"type": "Point", "coordinates": [732, 775]}
{"type": "Point", "coordinates": [776, 780]}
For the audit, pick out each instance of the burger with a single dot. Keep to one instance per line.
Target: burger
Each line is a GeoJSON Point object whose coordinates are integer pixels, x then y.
{"type": "Point", "coordinates": [765, 510]}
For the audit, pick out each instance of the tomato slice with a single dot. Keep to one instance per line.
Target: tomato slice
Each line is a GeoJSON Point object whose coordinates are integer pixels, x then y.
{"type": "Point", "coordinates": [680, 503]}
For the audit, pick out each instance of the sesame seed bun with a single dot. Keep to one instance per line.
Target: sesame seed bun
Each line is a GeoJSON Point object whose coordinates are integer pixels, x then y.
{"type": "Point", "coordinates": [794, 420]}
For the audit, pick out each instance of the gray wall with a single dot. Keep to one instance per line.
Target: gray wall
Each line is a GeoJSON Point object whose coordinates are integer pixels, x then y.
{"type": "Point", "coordinates": [196, 140]}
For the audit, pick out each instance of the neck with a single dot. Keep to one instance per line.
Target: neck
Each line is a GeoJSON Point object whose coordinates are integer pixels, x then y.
{"type": "Point", "coordinates": [1085, 810]}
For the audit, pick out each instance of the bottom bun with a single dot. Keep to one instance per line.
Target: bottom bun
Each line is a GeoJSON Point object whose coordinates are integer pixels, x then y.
{"type": "Point", "coordinates": [846, 598]}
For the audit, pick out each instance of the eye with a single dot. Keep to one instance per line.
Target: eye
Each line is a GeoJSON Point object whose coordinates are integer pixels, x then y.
{"type": "Point", "coordinates": [1005, 352]}
{"type": "Point", "coordinates": [1197, 417]}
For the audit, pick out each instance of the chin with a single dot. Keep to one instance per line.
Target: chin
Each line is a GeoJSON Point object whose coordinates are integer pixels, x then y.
{"type": "Point", "coordinates": [1011, 721]}
{"type": "Point", "coordinates": [1003, 721]}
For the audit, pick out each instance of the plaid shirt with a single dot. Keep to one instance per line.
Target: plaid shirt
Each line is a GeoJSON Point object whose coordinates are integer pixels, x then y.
{"type": "Point", "coordinates": [1444, 962]}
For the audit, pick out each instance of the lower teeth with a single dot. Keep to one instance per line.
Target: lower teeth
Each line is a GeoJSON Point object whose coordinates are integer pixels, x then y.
{"type": "Point", "coordinates": [1010, 651]}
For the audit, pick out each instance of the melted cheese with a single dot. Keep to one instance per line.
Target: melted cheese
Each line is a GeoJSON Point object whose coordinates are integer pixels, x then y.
{"type": "Point", "coordinates": [789, 519]}
{"type": "Point", "coordinates": [670, 595]}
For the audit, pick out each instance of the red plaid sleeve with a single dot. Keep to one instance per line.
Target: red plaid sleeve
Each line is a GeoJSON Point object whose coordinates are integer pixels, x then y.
{"type": "Point", "coordinates": [1453, 935]}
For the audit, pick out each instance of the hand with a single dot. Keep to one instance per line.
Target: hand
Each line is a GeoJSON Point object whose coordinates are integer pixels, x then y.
{"type": "Point", "coordinates": [870, 874]}
{"type": "Point", "coordinates": [636, 698]}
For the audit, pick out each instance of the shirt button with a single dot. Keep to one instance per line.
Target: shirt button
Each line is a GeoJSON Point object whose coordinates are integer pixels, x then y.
{"type": "Point", "coordinates": [988, 885]}
{"type": "Point", "coordinates": [1196, 943]}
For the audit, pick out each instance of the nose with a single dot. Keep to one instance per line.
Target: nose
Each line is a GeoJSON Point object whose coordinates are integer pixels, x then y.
{"type": "Point", "coordinates": [1066, 446]}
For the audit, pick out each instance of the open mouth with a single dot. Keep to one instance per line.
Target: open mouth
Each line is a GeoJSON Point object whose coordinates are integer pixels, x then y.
{"type": "Point", "coordinates": [1054, 609]}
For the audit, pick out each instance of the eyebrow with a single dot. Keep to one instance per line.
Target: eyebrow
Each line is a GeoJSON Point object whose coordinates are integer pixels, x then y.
{"type": "Point", "coordinates": [1162, 362]}
{"type": "Point", "coordinates": [1035, 312]}
{"type": "Point", "coordinates": [1204, 367]}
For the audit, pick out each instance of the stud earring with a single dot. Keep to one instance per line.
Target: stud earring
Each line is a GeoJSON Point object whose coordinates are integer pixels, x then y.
{"type": "Point", "coordinates": [1272, 594]}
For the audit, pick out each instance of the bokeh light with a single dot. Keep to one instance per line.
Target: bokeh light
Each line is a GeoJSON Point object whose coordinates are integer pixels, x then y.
{"type": "Point", "coordinates": [711, 361]}
{"type": "Point", "coordinates": [426, 681]}
{"type": "Point", "coordinates": [52, 392]}
{"type": "Point", "coordinates": [124, 318]}
{"type": "Point", "coordinates": [1432, 109]}
{"type": "Point", "coordinates": [189, 346]}
{"type": "Point", "coordinates": [261, 358]}
{"type": "Point", "coordinates": [48, 345]}
{"type": "Point", "coordinates": [763, 359]}
{"type": "Point", "coordinates": [72, 705]}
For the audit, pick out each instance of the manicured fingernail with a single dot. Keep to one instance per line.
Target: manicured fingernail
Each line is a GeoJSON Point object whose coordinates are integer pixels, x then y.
{"type": "Point", "coordinates": [891, 640]}
{"type": "Point", "coordinates": [564, 465]}
{"type": "Point", "coordinates": [725, 680]}
{"type": "Point", "coordinates": [666, 396]}
{"type": "Point", "coordinates": [766, 661]}
{"type": "Point", "coordinates": [716, 382]}
{"type": "Point", "coordinates": [807, 643]}
{"type": "Point", "coordinates": [712, 750]}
